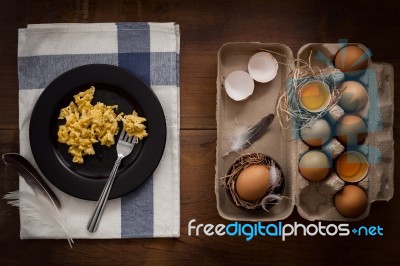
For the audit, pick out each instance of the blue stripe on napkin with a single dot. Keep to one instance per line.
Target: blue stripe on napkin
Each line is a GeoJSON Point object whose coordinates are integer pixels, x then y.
{"type": "Point", "coordinates": [137, 63]}
{"type": "Point", "coordinates": [35, 72]}
{"type": "Point", "coordinates": [134, 55]}
{"type": "Point", "coordinates": [133, 37]}
{"type": "Point", "coordinates": [137, 212]}
{"type": "Point", "coordinates": [134, 49]}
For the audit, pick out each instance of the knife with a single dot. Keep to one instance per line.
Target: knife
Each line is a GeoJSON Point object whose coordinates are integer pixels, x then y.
{"type": "Point", "coordinates": [26, 170]}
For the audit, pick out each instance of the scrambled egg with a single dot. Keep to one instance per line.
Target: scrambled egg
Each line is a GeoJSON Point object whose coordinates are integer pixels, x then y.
{"type": "Point", "coordinates": [133, 125]}
{"type": "Point", "coordinates": [86, 124]}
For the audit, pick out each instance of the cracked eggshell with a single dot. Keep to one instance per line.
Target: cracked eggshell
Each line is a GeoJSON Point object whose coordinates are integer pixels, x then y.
{"type": "Point", "coordinates": [239, 85]}
{"type": "Point", "coordinates": [315, 96]}
{"type": "Point", "coordinates": [263, 67]}
{"type": "Point", "coordinates": [352, 166]}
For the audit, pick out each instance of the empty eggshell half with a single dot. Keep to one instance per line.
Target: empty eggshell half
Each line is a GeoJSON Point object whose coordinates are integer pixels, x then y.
{"type": "Point", "coordinates": [239, 85]}
{"type": "Point", "coordinates": [263, 67]}
{"type": "Point", "coordinates": [352, 166]}
{"type": "Point", "coordinates": [315, 96]}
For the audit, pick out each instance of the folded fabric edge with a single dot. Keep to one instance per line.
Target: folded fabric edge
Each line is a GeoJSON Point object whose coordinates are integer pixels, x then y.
{"type": "Point", "coordinates": [57, 27]}
{"type": "Point", "coordinates": [94, 238]}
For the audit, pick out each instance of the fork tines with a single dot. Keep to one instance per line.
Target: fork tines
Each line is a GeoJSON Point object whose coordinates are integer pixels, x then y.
{"type": "Point", "coordinates": [124, 136]}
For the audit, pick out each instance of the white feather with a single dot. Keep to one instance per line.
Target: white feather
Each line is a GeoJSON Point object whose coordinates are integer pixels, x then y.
{"type": "Point", "coordinates": [40, 210]}
{"type": "Point", "coordinates": [275, 175]}
{"type": "Point", "coordinates": [276, 180]}
{"type": "Point", "coordinates": [267, 200]}
{"type": "Point", "coordinates": [240, 137]}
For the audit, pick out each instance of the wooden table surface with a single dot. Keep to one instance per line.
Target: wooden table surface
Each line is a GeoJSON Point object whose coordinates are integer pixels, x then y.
{"type": "Point", "coordinates": [205, 26]}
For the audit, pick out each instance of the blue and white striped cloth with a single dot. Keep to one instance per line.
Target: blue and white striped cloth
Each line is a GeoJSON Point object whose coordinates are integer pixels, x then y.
{"type": "Point", "coordinates": [151, 51]}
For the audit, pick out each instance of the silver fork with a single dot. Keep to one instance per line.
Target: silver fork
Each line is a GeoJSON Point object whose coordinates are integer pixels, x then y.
{"type": "Point", "coordinates": [124, 147]}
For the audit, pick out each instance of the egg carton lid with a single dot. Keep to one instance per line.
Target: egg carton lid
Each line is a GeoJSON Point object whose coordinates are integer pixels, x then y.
{"type": "Point", "coordinates": [231, 115]}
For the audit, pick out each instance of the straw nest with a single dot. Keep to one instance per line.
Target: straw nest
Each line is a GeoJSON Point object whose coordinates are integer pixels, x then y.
{"type": "Point", "coordinates": [288, 108]}
{"type": "Point", "coordinates": [273, 194]}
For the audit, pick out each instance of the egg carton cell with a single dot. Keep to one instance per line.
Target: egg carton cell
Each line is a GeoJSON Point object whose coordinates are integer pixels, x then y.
{"type": "Point", "coordinates": [315, 200]}
{"type": "Point", "coordinates": [386, 114]}
{"type": "Point", "coordinates": [334, 114]}
{"type": "Point", "coordinates": [333, 148]}
{"type": "Point", "coordinates": [364, 184]}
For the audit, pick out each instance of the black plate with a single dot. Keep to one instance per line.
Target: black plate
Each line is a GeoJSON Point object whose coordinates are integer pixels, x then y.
{"type": "Point", "coordinates": [114, 85]}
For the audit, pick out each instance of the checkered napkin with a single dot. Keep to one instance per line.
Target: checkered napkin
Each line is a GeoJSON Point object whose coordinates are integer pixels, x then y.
{"type": "Point", "coordinates": [149, 50]}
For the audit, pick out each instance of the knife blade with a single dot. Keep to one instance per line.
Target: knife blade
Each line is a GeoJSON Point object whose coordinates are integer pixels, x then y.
{"type": "Point", "coordinates": [32, 177]}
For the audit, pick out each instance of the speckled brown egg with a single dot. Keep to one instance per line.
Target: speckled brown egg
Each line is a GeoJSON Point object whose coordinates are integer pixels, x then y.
{"type": "Point", "coordinates": [351, 130]}
{"type": "Point", "coordinates": [314, 165]}
{"type": "Point", "coordinates": [353, 97]}
{"type": "Point", "coordinates": [253, 182]}
{"type": "Point", "coordinates": [351, 59]}
{"type": "Point", "coordinates": [351, 201]}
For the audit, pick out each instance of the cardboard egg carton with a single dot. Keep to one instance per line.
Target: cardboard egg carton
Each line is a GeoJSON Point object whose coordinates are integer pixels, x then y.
{"type": "Point", "coordinates": [314, 200]}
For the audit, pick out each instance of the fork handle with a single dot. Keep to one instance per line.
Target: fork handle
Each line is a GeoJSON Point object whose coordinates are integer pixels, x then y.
{"type": "Point", "coordinates": [94, 221]}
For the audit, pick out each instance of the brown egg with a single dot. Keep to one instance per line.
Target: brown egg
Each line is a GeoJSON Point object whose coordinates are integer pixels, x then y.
{"type": "Point", "coordinates": [317, 133]}
{"type": "Point", "coordinates": [351, 58]}
{"type": "Point", "coordinates": [351, 201]}
{"type": "Point", "coordinates": [314, 165]}
{"type": "Point", "coordinates": [353, 97]}
{"type": "Point", "coordinates": [351, 130]}
{"type": "Point", "coordinates": [253, 182]}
